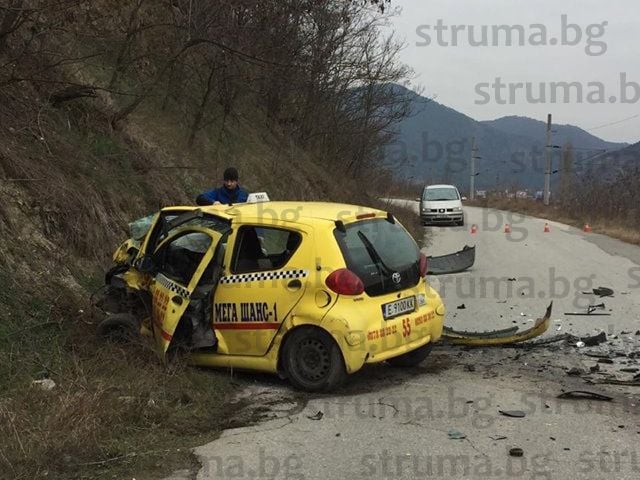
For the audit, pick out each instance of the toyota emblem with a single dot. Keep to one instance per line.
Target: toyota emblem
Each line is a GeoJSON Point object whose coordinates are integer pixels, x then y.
{"type": "Point", "coordinates": [396, 277]}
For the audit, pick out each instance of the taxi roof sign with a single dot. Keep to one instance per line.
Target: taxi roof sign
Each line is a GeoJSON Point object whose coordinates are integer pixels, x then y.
{"type": "Point", "coordinates": [258, 197]}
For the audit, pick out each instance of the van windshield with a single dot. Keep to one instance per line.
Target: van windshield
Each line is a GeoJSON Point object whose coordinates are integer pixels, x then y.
{"type": "Point", "coordinates": [438, 194]}
{"type": "Point", "coordinates": [379, 251]}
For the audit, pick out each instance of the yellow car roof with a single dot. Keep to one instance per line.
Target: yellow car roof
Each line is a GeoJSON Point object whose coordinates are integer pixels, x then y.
{"type": "Point", "coordinates": [303, 210]}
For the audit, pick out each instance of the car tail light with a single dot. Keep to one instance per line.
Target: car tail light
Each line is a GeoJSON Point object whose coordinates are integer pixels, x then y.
{"type": "Point", "coordinates": [345, 282]}
{"type": "Point", "coordinates": [423, 265]}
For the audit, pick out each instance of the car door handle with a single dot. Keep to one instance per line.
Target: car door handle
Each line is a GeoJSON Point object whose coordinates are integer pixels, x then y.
{"type": "Point", "coordinates": [294, 284]}
{"type": "Point", "coordinates": [177, 300]}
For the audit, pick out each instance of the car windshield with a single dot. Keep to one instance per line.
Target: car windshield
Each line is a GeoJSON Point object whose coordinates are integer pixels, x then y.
{"type": "Point", "coordinates": [438, 194]}
{"type": "Point", "coordinates": [377, 249]}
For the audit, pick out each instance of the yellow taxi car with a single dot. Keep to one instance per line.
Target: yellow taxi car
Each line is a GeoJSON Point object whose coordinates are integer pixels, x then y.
{"type": "Point", "coordinates": [309, 290]}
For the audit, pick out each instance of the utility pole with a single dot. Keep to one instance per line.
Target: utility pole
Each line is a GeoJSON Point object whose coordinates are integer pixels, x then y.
{"type": "Point", "coordinates": [547, 171]}
{"type": "Point", "coordinates": [472, 178]}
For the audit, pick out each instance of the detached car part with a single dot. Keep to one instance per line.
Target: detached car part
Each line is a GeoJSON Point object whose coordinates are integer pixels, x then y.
{"type": "Point", "coordinates": [498, 337]}
{"type": "Point", "coordinates": [452, 262]}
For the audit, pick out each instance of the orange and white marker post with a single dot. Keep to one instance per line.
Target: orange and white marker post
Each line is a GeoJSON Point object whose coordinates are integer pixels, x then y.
{"type": "Point", "coordinates": [547, 229]}
{"type": "Point", "coordinates": [587, 228]}
{"type": "Point", "coordinates": [474, 229]}
{"type": "Point", "coordinates": [507, 228]}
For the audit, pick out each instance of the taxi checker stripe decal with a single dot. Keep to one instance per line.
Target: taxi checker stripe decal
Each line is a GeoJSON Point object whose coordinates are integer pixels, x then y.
{"type": "Point", "coordinates": [253, 277]}
{"type": "Point", "coordinates": [174, 287]}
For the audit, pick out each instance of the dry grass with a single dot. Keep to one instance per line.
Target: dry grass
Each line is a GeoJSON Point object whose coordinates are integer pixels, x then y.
{"type": "Point", "coordinates": [115, 411]}
{"type": "Point", "coordinates": [114, 408]}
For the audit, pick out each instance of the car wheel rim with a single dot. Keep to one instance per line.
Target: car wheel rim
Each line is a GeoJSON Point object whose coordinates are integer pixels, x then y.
{"type": "Point", "coordinates": [313, 360]}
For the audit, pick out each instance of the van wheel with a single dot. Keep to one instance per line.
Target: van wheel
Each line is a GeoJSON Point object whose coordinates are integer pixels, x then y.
{"type": "Point", "coordinates": [412, 358]}
{"type": "Point", "coordinates": [120, 327]}
{"type": "Point", "coordinates": [313, 360]}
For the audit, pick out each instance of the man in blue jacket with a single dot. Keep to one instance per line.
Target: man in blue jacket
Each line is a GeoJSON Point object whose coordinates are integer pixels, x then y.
{"type": "Point", "coordinates": [229, 193]}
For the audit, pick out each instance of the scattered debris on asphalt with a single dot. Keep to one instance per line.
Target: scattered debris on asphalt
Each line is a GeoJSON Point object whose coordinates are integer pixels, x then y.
{"type": "Point", "coordinates": [456, 435]}
{"type": "Point", "coordinates": [603, 292]}
{"type": "Point", "coordinates": [516, 452]}
{"type": "Point", "coordinates": [453, 262]}
{"type": "Point", "coordinates": [504, 336]}
{"type": "Point", "coordinates": [461, 306]}
{"type": "Point", "coordinates": [512, 413]}
{"type": "Point", "coordinates": [317, 416]}
{"type": "Point", "coordinates": [584, 395]}
{"type": "Point", "coordinates": [591, 309]}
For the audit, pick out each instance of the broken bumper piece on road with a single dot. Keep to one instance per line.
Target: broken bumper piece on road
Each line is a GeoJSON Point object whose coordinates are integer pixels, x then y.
{"type": "Point", "coordinates": [498, 337]}
{"type": "Point", "coordinates": [452, 262]}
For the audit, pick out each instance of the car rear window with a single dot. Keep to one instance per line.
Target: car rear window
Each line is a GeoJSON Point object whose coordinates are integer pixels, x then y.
{"type": "Point", "coordinates": [381, 253]}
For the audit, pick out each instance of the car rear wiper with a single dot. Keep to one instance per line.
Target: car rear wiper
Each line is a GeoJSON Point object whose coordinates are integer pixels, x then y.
{"type": "Point", "coordinates": [375, 256]}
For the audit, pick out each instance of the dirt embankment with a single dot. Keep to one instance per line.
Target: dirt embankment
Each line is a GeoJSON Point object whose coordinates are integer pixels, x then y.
{"type": "Point", "coordinates": [70, 184]}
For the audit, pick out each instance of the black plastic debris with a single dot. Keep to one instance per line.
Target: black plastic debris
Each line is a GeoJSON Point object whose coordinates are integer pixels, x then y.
{"type": "Point", "coordinates": [603, 292]}
{"type": "Point", "coordinates": [594, 340]}
{"type": "Point", "coordinates": [461, 306]}
{"type": "Point", "coordinates": [317, 416]}
{"type": "Point", "coordinates": [584, 395]}
{"type": "Point", "coordinates": [512, 413]}
{"type": "Point", "coordinates": [453, 262]}
{"type": "Point", "coordinates": [516, 452]}
{"type": "Point", "coordinates": [591, 310]}
{"type": "Point", "coordinates": [455, 434]}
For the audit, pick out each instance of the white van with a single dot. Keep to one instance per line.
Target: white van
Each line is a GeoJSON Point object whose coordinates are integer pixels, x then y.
{"type": "Point", "coordinates": [441, 204]}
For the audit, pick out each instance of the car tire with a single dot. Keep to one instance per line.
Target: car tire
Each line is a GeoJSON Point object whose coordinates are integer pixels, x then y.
{"type": "Point", "coordinates": [412, 358]}
{"type": "Point", "coordinates": [119, 327]}
{"type": "Point", "coordinates": [312, 360]}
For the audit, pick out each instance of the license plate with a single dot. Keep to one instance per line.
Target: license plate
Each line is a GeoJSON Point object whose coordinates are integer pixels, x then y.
{"type": "Point", "coordinates": [399, 307]}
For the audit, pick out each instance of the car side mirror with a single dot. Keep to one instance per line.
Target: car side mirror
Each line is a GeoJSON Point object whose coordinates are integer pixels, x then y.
{"type": "Point", "coordinates": [464, 198]}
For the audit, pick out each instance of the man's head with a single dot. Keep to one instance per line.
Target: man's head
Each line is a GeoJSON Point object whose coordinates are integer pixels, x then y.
{"type": "Point", "coordinates": [230, 178]}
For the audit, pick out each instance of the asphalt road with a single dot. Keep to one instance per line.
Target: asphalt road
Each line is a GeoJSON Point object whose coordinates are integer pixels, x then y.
{"type": "Point", "coordinates": [555, 266]}
{"type": "Point", "coordinates": [389, 423]}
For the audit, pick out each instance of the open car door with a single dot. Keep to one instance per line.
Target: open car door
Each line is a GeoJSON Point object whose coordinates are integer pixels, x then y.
{"type": "Point", "coordinates": [182, 262]}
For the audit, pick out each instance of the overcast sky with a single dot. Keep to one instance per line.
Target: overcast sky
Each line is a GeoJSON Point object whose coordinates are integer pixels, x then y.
{"type": "Point", "coordinates": [464, 76]}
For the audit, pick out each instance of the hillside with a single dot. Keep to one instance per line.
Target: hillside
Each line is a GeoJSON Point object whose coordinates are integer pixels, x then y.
{"type": "Point", "coordinates": [434, 145]}
{"type": "Point", "coordinates": [562, 134]}
{"type": "Point", "coordinates": [111, 110]}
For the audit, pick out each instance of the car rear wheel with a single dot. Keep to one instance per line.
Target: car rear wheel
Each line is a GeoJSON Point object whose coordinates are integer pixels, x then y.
{"type": "Point", "coordinates": [119, 327]}
{"type": "Point", "coordinates": [412, 358]}
{"type": "Point", "coordinates": [313, 361]}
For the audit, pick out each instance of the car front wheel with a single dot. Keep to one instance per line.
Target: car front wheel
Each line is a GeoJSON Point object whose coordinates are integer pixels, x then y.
{"type": "Point", "coordinates": [120, 328]}
{"type": "Point", "coordinates": [313, 361]}
{"type": "Point", "coordinates": [412, 358]}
